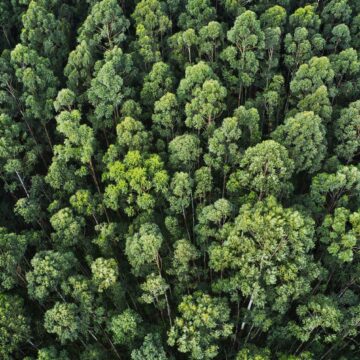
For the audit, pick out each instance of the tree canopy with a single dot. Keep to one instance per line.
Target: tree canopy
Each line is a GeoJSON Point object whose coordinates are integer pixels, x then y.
{"type": "Point", "coordinates": [179, 179]}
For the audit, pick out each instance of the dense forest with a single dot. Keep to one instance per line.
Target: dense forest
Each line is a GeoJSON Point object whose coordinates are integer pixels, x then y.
{"type": "Point", "coordinates": [179, 179]}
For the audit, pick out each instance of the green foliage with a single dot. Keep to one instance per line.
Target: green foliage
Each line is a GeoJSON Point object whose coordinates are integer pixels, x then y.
{"type": "Point", "coordinates": [267, 256]}
{"type": "Point", "coordinates": [203, 321]}
{"type": "Point", "coordinates": [68, 228]}
{"type": "Point", "coordinates": [50, 268]}
{"type": "Point", "coordinates": [347, 132]}
{"type": "Point", "coordinates": [242, 57]}
{"type": "Point", "coordinates": [50, 353]}
{"type": "Point", "coordinates": [166, 116]}
{"type": "Point", "coordinates": [108, 90]}
{"type": "Point", "coordinates": [44, 33]}
{"type": "Point", "coordinates": [38, 82]}
{"type": "Point", "coordinates": [206, 105]}
{"type": "Point", "coordinates": [64, 321]}
{"type": "Point", "coordinates": [304, 138]}
{"type": "Point", "coordinates": [138, 183]}
{"type": "Point", "coordinates": [143, 247]}
{"type": "Point", "coordinates": [14, 326]}
{"type": "Point", "coordinates": [197, 14]}
{"type": "Point", "coordinates": [265, 168]}
{"type": "Point", "coordinates": [152, 23]}
{"type": "Point", "coordinates": [151, 349]}
{"type": "Point", "coordinates": [340, 232]}
{"type": "Point", "coordinates": [105, 26]}
{"type": "Point", "coordinates": [104, 273]}
{"type": "Point", "coordinates": [125, 327]}
{"type": "Point", "coordinates": [13, 247]}
{"type": "Point", "coordinates": [184, 151]}
{"type": "Point", "coordinates": [157, 83]}
{"type": "Point", "coordinates": [185, 254]}
{"type": "Point", "coordinates": [319, 312]}
{"type": "Point", "coordinates": [179, 179]}
{"type": "Point", "coordinates": [153, 289]}
{"type": "Point", "coordinates": [330, 190]}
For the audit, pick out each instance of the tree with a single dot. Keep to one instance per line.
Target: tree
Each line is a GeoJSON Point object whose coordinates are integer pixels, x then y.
{"type": "Point", "coordinates": [104, 273]}
{"type": "Point", "coordinates": [108, 90]}
{"type": "Point", "coordinates": [183, 46]}
{"type": "Point", "coordinates": [304, 138]}
{"type": "Point", "coordinates": [211, 39]}
{"type": "Point", "coordinates": [142, 248]}
{"type": "Point", "coordinates": [68, 228]}
{"type": "Point", "coordinates": [166, 119]}
{"type": "Point", "coordinates": [346, 66]}
{"type": "Point", "coordinates": [265, 168]}
{"type": "Point", "coordinates": [340, 37]}
{"type": "Point", "coordinates": [249, 123]}
{"type": "Point", "coordinates": [64, 321]}
{"type": "Point", "coordinates": [274, 16]}
{"type": "Point", "coordinates": [157, 83]}
{"type": "Point", "coordinates": [131, 136]}
{"type": "Point", "coordinates": [85, 204]}
{"type": "Point", "coordinates": [152, 24]}
{"type": "Point", "coordinates": [203, 183]}
{"type": "Point", "coordinates": [153, 289]}
{"type": "Point", "coordinates": [307, 18]}
{"type": "Point", "coordinates": [151, 349]}
{"type": "Point", "coordinates": [206, 105]}
{"type": "Point", "coordinates": [309, 79]}
{"type": "Point", "coordinates": [78, 147]}
{"type": "Point", "coordinates": [195, 76]}
{"type": "Point", "coordinates": [318, 102]}
{"type": "Point", "coordinates": [242, 57]}
{"type": "Point", "coordinates": [272, 21]}
{"type": "Point", "coordinates": [185, 254]}
{"type": "Point", "coordinates": [65, 100]}
{"type": "Point", "coordinates": [300, 47]}
{"type": "Point", "coordinates": [335, 12]}
{"type": "Point", "coordinates": [12, 252]}
{"type": "Point", "coordinates": [45, 33]}
{"type": "Point", "coordinates": [184, 151]}
{"type": "Point", "coordinates": [320, 312]}
{"type": "Point", "coordinates": [197, 14]}
{"type": "Point", "coordinates": [204, 320]}
{"type": "Point", "coordinates": [212, 222]}
{"type": "Point", "coordinates": [253, 353]}
{"type": "Point", "coordinates": [181, 196]}
{"type": "Point", "coordinates": [11, 22]}
{"type": "Point", "coordinates": [338, 189]}
{"type": "Point", "coordinates": [340, 232]}
{"type": "Point", "coordinates": [50, 269]}
{"type": "Point", "coordinates": [78, 69]}
{"type": "Point", "coordinates": [347, 132]}
{"type": "Point", "coordinates": [18, 154]}
{"type": "Point", "coordinates": [310, 76]}
{"type": "Point", "coordinates": [51, 353]}
{"type": "Point", "coordinates": [125, 327]}
{"type": "Point", "coordinates": [136, 184]}
{"type": "Point", "coordinates": [105, 26]}
{"type": "Point", "coordinates": [224, 152]}
{"type": "Point", "coordinates": [266, 258]}
{"type": "Point", "coordinates": [38, 86]}
{"type": "Point", "coordinates": [14, 325]}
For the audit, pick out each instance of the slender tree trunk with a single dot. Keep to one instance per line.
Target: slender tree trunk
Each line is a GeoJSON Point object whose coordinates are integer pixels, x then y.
{"type": "Point", "coordinates": [48, 137]}
{"type": "Point", "coordinates": [93, 174]}
{"type": "Point", "coordinates": [168, 308]}
{"type": "Point", "coordinates": [22, 183]}
{"type": "Point", "coordinates": [186, 225]}
{"type": "Point", "coordinates": [248, 309]}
